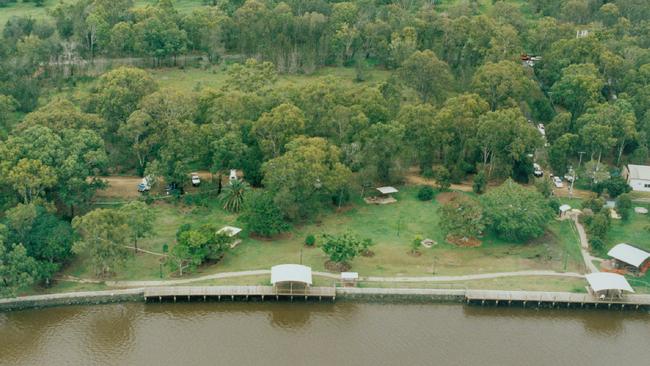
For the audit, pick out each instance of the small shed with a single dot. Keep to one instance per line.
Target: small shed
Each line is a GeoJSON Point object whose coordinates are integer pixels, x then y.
{"type": "Point", "coordinates": [630, 258]}
{"type": "Point", "coordinates": [564, 209]}
{"type": "Point", "coordinates": [604, 285]}
{"type": "Point", "coordinates": [291, 278]}
{"type": "Point", "coordinates": [384, 196]}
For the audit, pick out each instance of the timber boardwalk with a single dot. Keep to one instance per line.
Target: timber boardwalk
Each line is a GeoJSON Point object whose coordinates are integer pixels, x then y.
{"type": "Point", "coordinates": [239, 292]}
{"type": "Point", "coordinates": [553, 299]}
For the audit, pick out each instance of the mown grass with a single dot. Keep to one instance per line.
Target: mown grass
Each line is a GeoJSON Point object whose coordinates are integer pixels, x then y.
{"type": "Point", "coordinates": [391, 227]}
{"type": "Point", "coordinates": [28, 9]}
{"type": "Point", "coordinates": [633, 231]}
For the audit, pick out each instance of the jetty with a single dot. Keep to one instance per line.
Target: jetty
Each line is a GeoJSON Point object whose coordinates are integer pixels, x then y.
{"type": "Point", "coordinates": [238, 293]}
{"type": "Point", "coordinates": [553, 299]}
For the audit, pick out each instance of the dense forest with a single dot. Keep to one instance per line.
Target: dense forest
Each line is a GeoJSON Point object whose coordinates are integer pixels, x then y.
{"type": "Point", "coordinates": [469, 83]}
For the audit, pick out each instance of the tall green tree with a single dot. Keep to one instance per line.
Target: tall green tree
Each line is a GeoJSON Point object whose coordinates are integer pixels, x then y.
{"type": "Point", "coordinates": [515, 212]}
{"type": "Point", "coordinates": [579, 88]}
{"type": "Point", "coordinates": [427, 75]}
{"type": "Point", "coordinates": [262, 215]}
{"type": "Point", "coordinates": [140, 219]}
{"type": "Point", "coordinates": [276, 128]}
{"type": "Point", "coordinates": [503, 84]}
{"type": "Point", "coordinates": [103, 234]}
{"type": "Point", "coordinates": [306, 176]}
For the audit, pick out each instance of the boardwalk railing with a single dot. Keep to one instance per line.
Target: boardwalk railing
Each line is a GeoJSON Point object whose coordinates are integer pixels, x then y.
{"type": "Point", "coordinates": [238, 291]}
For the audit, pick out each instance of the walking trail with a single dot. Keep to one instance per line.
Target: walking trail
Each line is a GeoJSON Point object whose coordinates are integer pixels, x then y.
{"type": "Point", "coordinates": [334, 276]}
{"type": "Point", "coordinates": [584, 245]}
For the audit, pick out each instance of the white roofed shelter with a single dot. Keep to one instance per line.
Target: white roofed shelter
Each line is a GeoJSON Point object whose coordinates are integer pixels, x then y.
{"type": "Point", "coordinates": [384, 196]}
{"type": "Point", "coordinates": [290, 274]}
{"type": "Point", "coordinates": [230, 231]}
{"type": "Point", "coordinates": [604, 284]}
{"type": "Point", "coordinates": [630, 256]}
{"type": "Point", "coordinates": [387, 190]}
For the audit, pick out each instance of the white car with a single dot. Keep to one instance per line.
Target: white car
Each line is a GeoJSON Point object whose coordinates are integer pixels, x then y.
{"type": "Point", "coordinates": [540, 128]}
{"type": "Point", "coordinates": [195, 179]}
{"type": "Point", "coordinates": [537, 170]}
{"type": "Point", "coordinates": [569, 178]}
{"type": "Point", "coordinates": [558, 182]}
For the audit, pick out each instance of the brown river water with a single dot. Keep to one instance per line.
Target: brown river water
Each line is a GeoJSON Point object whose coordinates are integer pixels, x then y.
{"type": "Point", "coordinates": [321, 334]}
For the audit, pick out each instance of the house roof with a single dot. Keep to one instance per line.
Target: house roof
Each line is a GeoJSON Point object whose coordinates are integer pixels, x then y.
{"type": "Point", "coordinates": [387, 190]}
{"type": "Point", "coordinates": [629, 254]}
{"type": "Point", "coordinates": [639, 171]}
{"type": "Point", "coordinates": [229, 230]}
{"type": "Point", "coordinates": [602, 281]}
{"type": "Point", "coordinates": [291, 273]}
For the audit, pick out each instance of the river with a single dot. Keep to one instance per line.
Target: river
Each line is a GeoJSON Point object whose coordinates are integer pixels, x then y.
{"type": "Point", "coordinates": [321, 334]}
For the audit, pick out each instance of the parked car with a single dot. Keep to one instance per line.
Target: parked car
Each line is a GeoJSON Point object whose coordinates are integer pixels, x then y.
{"type": "Point", "coordinates": [558, 182]}
{"type": "Point", "coordinates": [195, 180]}
{"type": "Point", "coordinates": [537, 170]}
{"type": "Point", "coordinates": [540, 128]}
{"type": "Point", "coordinates": [145, 185]}
{"type": "Point", "coordinates": [171, 188]}
{"type": "Point", "coordinates": [569, 178]}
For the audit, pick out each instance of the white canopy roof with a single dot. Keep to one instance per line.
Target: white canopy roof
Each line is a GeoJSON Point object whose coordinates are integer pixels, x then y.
{"type": "Point", "coordinates": [291, 273]}
{"type": "Point", "coordinates": [349, 276]}
{"type": "Point", "coordinates": [387, 190]}
{"type": "Point", "coordinates": [565, 208]}
{"type": "Point", "coordinates": [229, 230]}
{"type": "Point", "coordinates": [629, 254]}
{"type": "Point", "coordinates": [602, 281]}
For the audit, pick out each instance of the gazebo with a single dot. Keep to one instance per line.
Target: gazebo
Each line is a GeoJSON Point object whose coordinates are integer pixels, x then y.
{"type": "Point", "coordinates": [607, 285]}
{"type": "Point", "coordinates": [384, 196]}
{"type": "Point", "coordinates": [630, 258]}
{"type": "Point", "coordinates": [291, 277]}
{"type": "Point", "coordinates": [564, 209]}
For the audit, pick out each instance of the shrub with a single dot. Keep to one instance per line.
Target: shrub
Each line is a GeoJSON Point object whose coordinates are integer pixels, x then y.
{"type": "Point", "coordinates": [425, 193]}
{"type": "Point", "coordinates": [480, 182]}
{"type": "Point", "coordinates": [624, 206]}
{"type": "Point", "coordinates": [310, 240]}
{"type": "Point", "coordinates": [262, 216]}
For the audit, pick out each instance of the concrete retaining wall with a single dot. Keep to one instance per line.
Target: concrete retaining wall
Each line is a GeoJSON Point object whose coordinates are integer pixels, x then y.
{"type": "Point", "coordinates": [72, 298]}
{"type": "Point", "coordinates": [399, 294]}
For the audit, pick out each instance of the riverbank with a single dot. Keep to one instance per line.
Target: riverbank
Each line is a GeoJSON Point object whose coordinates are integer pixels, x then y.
{"type": "Point", "coordinates": [234, 293]}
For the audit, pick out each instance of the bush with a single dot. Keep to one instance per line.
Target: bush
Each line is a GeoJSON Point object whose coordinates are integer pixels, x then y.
{"type": "Point", "coordinates": [262, 216]}
{"type": "Point", "coordinates": [425, 193]}
{"type": "Point", "coordinates": [624, 206]}
{"type": "Point", "coordinates": [597, 244]}
{"type": "Point", "coordinates": [310, 240]}
{"type": "Point", "coordinates": [480, 182]}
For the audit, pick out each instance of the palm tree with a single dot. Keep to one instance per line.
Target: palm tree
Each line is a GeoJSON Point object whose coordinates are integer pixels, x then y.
{"type": "Point", "coordinates": [233, 195]}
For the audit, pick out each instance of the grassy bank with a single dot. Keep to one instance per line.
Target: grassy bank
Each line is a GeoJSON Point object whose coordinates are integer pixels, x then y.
{"type": "Point", "coordinates": [391, 227]}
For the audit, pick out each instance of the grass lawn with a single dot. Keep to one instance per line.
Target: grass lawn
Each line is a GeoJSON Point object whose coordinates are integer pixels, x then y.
{"type": "Point", "coordinates": [188, 79]}
{"type": "Point", "coordinates": [632, 232]}
{"type": "Point", "coordinates": [20, 8]}
{"type": "Point", "coordinates": [391, 227]}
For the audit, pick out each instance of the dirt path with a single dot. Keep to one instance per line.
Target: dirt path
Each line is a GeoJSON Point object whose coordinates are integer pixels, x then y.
{"type": "Point", "coordinates": [584, 244]}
